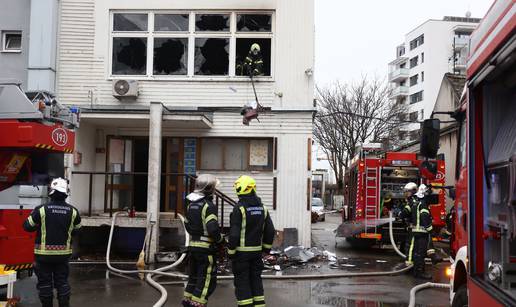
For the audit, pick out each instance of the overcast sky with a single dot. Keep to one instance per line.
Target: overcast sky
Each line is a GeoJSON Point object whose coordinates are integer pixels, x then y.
{"type": "Point", "coordinates": [356, 37]}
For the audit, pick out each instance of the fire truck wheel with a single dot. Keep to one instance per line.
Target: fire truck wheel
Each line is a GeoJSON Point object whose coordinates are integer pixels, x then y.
{"type": "Point", "coordinates": [461, 297]}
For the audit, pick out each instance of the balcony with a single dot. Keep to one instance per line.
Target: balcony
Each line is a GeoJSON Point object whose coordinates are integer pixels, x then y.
{"type": "Point", "coordinates": [399, 74]}
{"type": "Point", "coordinates": [461, 42]}
{"type": "Point", "coordinates": [399, 91]}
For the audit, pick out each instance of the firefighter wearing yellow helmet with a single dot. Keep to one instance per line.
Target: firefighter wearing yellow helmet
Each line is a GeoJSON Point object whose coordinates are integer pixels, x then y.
{"type": "Point", "coordinates": [251, 234]}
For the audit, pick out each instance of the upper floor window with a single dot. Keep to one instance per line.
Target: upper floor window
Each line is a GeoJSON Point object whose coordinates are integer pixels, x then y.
{"type": "Point", "coordinates": [400, 50]}
{"type": "Point", "coordinates": [11, 41]}
{"type": "Point", "coordinates": [422, 57]}
{"type": "Point", "coordinates": [418, 41]}
{"type": "Point", "coordinates": [416, 97]}
{"type": "Point", "coordinates": [414, 62]}
{"type": "Point", "coordinates": [413, 80]}
{"type": "Point", "coordinates": [191, 44]}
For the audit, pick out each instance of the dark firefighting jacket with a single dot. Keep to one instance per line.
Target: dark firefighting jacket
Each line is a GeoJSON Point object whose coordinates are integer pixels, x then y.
{"type": "Point", "coordinates": [406, 211]}
{"type": "Point", "coordinates": [251, 228]}
{"type": "Point", "coordinates": [202, 223]}
{"type": "Point", "coordinates": [253, 64]}
{"type": "Point", "coordinates": [420, 218]}
{"type": "Point", "coordinates": [55, 224]}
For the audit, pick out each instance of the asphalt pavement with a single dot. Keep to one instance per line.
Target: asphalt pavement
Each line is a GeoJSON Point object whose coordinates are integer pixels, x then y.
{"type": "Point", "coordinates": [91, 287]}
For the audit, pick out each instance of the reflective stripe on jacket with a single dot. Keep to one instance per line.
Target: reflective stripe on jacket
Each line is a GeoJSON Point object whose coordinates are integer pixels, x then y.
{"type": "Point", "coordinates": [202, 224]}
{"type": "Point", "coordinates": [251, 227]}
{"type": "Point", "coordinates": [55, 224]}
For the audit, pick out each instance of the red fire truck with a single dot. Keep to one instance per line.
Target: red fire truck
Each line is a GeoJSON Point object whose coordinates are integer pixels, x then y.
{"type": "Point", "coordinates": [34, 136]}
{"type": "Point", "coordinates": [484, 219]}
{"type": "Point", "coordinates": [374, 185]}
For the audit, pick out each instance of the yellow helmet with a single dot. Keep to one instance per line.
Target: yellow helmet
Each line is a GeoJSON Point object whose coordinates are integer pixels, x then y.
{"type": "Point", "coordinates": [244, 185]}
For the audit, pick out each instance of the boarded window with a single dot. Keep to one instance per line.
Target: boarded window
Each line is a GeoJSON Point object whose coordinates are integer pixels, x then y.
{"type": "Point", "coordinates": [211, 158]}
{"type": "Point", "coordinates": [212, 22]}
{"type": "Point", "coordinates": [254, 22]}
{"type": "Point", "coordinates": [130, 22]}
{"type": "Point", "coordinates": [171, 22]}
{"type": "Point", "coordinates": [243, 46]}
{"type": "Point", "coordinates": [235, 154]}
{"type": "Point", "coordinates": [129, 56]}
{"type": "Point", "coordinates": [170, 56]}
{"type": "Point", "coordinates": [212, 56]}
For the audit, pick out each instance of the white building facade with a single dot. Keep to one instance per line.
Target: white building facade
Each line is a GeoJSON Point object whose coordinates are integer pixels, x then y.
{"type": "Point", "coordinates": [429, 51]}
{"type": "Point", "coordinates": [176, 112]}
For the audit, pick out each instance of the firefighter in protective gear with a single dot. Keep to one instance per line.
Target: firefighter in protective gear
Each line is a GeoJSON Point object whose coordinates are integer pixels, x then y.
{"type": "Point", "coordinates": [203, 226]}
{"type": "Point", "coordinates": [251, 234]}
{"type": "Point", "coordinates": [421, 227]}
{"type": "Point", "coordinates": [410, 190]}
{"type": "Point", "coordinates": [55, 223]}
{"type": "Point", "coordinates": [253, 63]}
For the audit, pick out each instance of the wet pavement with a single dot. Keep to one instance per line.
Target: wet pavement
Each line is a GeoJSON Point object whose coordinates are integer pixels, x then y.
{"type": "Point", "coordinates": [91, 288]}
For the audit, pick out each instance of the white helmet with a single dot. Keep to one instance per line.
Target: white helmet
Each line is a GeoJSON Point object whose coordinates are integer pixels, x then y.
{"type": "Point", "coordinates": [422, 191]}
{"type": "Point", "coordinates": [60, 185]}
{"type": "Point", "coordinates": [411, 186]}
{"type": "Point", "coordinates": [206, 184]}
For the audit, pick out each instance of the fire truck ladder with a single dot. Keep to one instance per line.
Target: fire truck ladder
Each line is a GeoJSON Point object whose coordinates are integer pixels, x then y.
{"type": "Point", "coordinates": [371, 194]}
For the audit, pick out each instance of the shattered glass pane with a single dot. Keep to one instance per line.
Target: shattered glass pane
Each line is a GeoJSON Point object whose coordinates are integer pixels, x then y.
{"type": "Point", "coordinates": [211, 22]}
{"type": "Point", "coordinates": [129, 56]}
{"type": "Point", "coordinates": [170, 56]}
{"type": "Point", "coordinates": [243, 45]}
{"type": "Point", "coordinates": [130, 22]}
{"type": "Point", "coordinates": [254, 22]}
{"type": "Point", "coordinates": [171, 22]}
{"type": "Point", "coordinates": [211, 56]}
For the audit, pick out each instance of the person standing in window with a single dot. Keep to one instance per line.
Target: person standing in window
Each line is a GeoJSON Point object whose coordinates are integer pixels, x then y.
{"type": "Point", "coordinates": [253, 63]}
{"type": "Point", "coordinates": [55, 224]}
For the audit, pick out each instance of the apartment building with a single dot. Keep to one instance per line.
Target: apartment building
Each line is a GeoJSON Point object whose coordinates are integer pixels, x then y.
{"type": "Point", "coordinates": [160, 87]}
{"type": "Point", "coordinates": [28, 34]}
{"type": "Point", "coordinates": [431, 50]}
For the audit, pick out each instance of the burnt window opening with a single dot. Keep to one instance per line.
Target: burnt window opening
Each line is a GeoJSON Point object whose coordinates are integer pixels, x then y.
{"type": "Point", "coordinates": [243, 45]}
{"type": "Point", "coordinates": [171, 22]}
{"type": "Point", "coordinates": [254, 23]}
{"type": "Point", "coordinates": [130, 22]}
{"type": "Point", "coordinates": [212, 22]}
{"type": "Point", "coordinates": [212, 56]}
{"type": "Point", "coordinates": [170, 56]}
{"type": "Point", "coordinates": [129, 56]}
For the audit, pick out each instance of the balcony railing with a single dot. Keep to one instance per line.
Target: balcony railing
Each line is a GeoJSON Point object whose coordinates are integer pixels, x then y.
{"type": "Point", "coordinates": [113, 182]}
{"type": "Point", "coordinates": [399, 91]}
{"type": "Point", "coordinates": [399, 74]}
{"type": "Point", "coordinates": [461, 42]}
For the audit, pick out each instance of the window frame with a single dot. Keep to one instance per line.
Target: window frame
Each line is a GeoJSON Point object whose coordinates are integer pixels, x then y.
{"type": "Point", "coordinates": [191, 35]}
{"type": "Point", "coordinates": [248, 168]}
{"type": "Point", "coordinates": [4, 41]}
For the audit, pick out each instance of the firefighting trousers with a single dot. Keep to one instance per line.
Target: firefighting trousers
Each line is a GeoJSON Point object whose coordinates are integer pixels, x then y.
{"type": "Point", "coordinates": [417, 251]}
{"type": "Point", "coordinates": [247, 268]}
{"type": "Point", "coordinates": [202, 278]}
{"type": "Point", "coordinates": [53, 275]}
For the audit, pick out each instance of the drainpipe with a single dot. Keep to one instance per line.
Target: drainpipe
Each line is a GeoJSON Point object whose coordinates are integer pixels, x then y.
{"type": "Point", "coordinates": [154, 178]}
{"type": "Point", "coordinates": [42, 45]}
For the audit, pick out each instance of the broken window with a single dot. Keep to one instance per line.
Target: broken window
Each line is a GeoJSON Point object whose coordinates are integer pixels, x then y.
{"type": "Point", "coordinates": [212, 22]}
{"type": "Point", "coordinates": [171, 22]}
{"type": "Point", "coordinates": [11, 41]}
{"type": "Point", "coordinates": [130, 22]}
{"type": "Point", "coordinates": [170, 56]}
{"type": "Point", "coordinates": [243, 46]}
{"type": "Point", "coordinates": [254, 22]}
{"type": "Point", "coordinates": [129, 56]}
{"type": "Point", "coordinates": [212, 56]}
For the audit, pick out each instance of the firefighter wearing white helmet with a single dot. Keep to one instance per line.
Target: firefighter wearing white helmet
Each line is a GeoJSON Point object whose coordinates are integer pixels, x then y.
{"type": "Point", "coordinates": [421, 226]}
{"type": "Point", "coordinates": [55, 222]}
{"type": "Point", "coordinates": [409, 190]}
{"type": "Point", "coordinates": [253, 63]}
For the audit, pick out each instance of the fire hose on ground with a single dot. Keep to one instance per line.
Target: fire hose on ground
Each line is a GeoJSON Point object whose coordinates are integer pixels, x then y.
{"type": "Point", "coordinates": [162, 271]}
{"type": "Point", "coordinates": [413, 291]}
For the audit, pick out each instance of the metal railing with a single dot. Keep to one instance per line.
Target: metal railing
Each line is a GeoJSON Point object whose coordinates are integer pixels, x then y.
{"type": "Point", "coordinates": [220, 199]}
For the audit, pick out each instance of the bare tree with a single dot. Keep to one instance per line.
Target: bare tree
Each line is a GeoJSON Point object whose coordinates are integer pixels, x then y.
{"type": "Point", "coordinates": [350, 115]}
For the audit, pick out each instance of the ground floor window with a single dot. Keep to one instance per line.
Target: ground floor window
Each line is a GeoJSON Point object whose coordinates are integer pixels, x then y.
{"type": "Point", "coordinates": [236, 154]}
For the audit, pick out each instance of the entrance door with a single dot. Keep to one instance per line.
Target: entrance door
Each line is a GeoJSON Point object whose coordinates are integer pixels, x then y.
{"type": "Point", "coordinates": [174, 181]}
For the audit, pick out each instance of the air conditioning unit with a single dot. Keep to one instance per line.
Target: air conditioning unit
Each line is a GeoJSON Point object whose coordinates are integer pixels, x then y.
{"type": "Point", "coordinates": [125, 88]}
